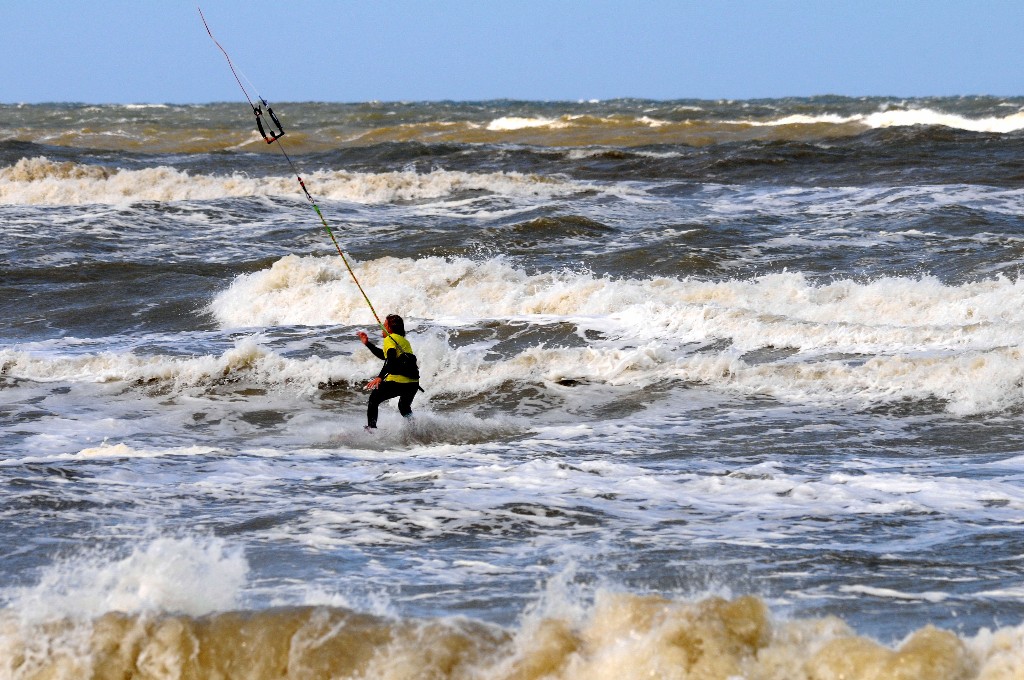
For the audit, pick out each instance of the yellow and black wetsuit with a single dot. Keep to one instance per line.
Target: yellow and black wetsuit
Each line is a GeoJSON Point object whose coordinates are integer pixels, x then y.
{"type": "Point", "coordinates": [400, 377]}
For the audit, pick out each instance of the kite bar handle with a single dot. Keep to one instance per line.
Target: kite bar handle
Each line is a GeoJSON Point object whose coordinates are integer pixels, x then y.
{"type": "Point", "coordinates": [268, 136]}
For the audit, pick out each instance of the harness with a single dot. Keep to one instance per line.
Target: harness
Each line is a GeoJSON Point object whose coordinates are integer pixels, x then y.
{"type": "Point", "coordinates": [405, 362]}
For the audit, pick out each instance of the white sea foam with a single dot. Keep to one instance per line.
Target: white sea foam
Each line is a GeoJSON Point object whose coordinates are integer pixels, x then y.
{"type": "Point", "coordinates": [519, 123]}
{"type": "Point", "coordinates": [974, 382]}
{"type": "Point", "coordinates": [780, 310]}
{"type": "Point", "coordinates": [121, 450]}
{"type": "Point", "coordinates": [427, 429]}
{"type": "Point", "coordinates": [930, 596]}
{"type": "Point", "coordinates": [901, 118]}
{"type": "Point", "coordinates": [1010, 123]}
{"type": "Point", "coordinates": [512, 123]}
{"type": "Point", "coordinates": [39, 181]}
{"type": "Point", "coordinates": [248, 359]}
{"type": "Point", "coordinates": [111, 451]}
{"type": "Point", "coordinates": [188, 575]}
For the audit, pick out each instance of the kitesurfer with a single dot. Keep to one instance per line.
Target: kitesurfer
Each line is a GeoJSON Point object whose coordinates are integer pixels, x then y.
{"type": "Point", "coordinates": [399, 377]}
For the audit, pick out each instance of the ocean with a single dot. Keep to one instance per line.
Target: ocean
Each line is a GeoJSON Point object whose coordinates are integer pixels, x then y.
{"type": "Point", "coordinates": [713, 389]}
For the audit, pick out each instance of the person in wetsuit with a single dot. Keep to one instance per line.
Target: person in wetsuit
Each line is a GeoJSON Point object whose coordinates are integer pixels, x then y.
{"type": "Point", "coordinates": [399, 377]}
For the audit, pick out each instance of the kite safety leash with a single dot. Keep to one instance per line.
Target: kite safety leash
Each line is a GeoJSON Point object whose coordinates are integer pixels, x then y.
{"type": "Point", "coordinates": [270, 136]}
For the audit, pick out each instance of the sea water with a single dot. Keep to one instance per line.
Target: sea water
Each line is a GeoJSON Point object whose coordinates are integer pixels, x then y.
{"type": "Point", "coordinates": [712, 389]}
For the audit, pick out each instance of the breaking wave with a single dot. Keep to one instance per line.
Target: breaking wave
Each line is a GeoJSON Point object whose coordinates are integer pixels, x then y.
{"type": "Point", "coordinates": [167, 610]}
{"type": "Point", "coordinates": [902, 118]}
{"type": "Point", "coordinates": [40, 181]}
{"type": "Point", "coordinates": [780, 335]}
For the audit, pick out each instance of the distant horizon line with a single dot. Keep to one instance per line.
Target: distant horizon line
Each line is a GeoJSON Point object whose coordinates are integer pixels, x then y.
{"type": "Point", "coordinates": [578, 101]}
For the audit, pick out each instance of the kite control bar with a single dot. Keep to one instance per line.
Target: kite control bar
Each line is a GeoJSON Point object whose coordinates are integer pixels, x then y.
{"type": "Point", "coordinates": [270, 137]}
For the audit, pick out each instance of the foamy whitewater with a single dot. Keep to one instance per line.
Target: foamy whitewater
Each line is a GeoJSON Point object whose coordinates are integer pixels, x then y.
{"type": "Point", "coordinates": [721, 390]}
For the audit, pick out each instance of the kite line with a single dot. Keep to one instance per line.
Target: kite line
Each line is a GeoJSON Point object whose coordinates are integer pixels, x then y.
{"type": "Point", "coordinates": [270, 136]}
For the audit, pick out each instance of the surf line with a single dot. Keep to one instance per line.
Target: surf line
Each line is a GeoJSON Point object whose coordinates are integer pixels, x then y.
{"type": "Point", "coordinates": [272, 137]}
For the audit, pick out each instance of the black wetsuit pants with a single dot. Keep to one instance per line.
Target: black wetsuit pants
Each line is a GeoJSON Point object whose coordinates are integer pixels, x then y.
{"type": "Point", "coordinates": [389, 389]}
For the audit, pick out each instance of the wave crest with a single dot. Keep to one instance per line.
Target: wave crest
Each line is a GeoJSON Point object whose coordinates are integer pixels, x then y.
{"type": "Point", "coordinates": [39, 169]}
{"type": "Point", "coordinates": [486, 327]}
{"type": "Point", "coordinates": [40, 181]}
{"type": "Point", "coordinates": [621, 636]}
{"type": "Point", "coordinates": [901, 118]}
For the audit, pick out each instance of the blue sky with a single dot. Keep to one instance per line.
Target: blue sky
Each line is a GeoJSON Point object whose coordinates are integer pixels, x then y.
{"type": "Point", "coordinates": [122, 51]}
